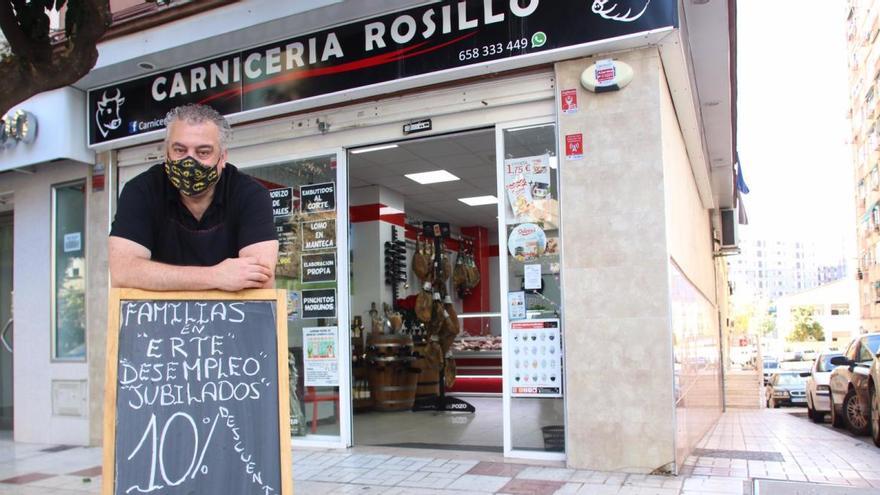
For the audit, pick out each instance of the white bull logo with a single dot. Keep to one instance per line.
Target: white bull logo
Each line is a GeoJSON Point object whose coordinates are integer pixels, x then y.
{"type": "Point", "coordinates": [620, 10]}
{"type": "Point", "coordinates": [107, 117]}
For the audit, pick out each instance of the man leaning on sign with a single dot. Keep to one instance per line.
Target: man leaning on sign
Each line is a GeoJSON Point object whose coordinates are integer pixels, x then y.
{"type": "Point", "coordinates": [194, 222]}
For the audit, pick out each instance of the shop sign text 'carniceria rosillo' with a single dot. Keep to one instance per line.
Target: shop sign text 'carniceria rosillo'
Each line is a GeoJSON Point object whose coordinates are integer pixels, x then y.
{"type": "Point", "coordinates": [434, 37]}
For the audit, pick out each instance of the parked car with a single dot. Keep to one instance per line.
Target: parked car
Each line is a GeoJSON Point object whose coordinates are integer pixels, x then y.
{"type": "Point", "coordinates": [771, 366]}
{"type": "Point", "coordinates": [874, 393]}
{"type": "Point", "coordinates": [818, 391]}
{"type": "Point", "coordinates": [786, 388]}
{"type": "Point", "coordinates": [849, 384]}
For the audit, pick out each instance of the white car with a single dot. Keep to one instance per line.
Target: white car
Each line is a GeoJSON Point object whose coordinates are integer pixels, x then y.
{"type": "Point", "coordinates": [818, 391]}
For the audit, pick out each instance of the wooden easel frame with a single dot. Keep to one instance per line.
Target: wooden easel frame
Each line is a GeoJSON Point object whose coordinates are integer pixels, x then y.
{"type": "Point", "coordinates": [112, 358]}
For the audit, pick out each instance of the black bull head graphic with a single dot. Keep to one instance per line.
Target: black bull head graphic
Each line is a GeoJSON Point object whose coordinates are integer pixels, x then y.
{"type": "Point", "coordinates": [107, 116]}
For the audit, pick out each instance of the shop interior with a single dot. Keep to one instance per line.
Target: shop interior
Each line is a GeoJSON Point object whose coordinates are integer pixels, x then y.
{"type": "Point", "coordinates": [427, 362]}
{"type": "Point", "coordinates": [395, 190]}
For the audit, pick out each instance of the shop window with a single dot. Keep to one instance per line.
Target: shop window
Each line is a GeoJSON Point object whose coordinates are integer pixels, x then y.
{"type": "Point", "coordinates": [69, 270]}
{"type": "Point", "coordinates": [304, 198]}
{"type": "Point", "coordinates": [839, 309]}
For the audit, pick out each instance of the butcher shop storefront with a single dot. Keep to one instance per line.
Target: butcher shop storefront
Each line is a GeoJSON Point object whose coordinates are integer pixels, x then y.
{"type": "Point", "coordinates": [454, 189]}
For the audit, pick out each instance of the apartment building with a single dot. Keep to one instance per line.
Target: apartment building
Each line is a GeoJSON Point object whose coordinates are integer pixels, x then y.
{"type": "Point", "coordinates": [863, 26]}
{"type": "Point", "coordinates": [767, 269]}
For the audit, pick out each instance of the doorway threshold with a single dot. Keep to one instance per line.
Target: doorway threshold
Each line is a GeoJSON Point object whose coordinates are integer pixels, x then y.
{"type": "Point", "coordinates": [441, 446]}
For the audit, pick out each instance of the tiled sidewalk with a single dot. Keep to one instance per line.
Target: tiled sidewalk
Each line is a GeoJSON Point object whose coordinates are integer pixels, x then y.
{"type": "Point", "coordinates": [769, 444]}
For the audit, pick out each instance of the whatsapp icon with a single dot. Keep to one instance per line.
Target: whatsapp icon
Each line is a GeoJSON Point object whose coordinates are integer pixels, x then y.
{"type": "Point", "coordinates": [539, 39]}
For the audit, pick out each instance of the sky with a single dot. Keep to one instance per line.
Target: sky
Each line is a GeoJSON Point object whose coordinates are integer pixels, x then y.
{"type": "Point", "coordinates": [793, 132]}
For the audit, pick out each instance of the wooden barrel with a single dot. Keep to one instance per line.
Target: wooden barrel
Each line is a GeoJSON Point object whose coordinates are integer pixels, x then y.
{"type": "Point", "coordinates": [381, 345]}
{"type": "Point", "coordinates": [393, 383]}
{"type": "Point", "coordinates": [429, 371]}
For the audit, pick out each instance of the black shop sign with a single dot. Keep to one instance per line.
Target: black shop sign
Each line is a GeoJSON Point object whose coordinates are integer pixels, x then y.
{"type": "Point", "coordinates": [319, 303]}
{"type": "Point", "coordinates": [282, 201]}
{"type": "Point", "coordinates": [318, 268]}
{"type": "Point", "coordinates": [320, 234]}
{"type": "Point", "coordinates": [316, 198]}
{"type": "Point", "coordinates": [440, 36]}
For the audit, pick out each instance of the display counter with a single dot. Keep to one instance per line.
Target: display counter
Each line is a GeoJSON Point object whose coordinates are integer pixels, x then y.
{"type": "Point", "coordinates": [477, 371]}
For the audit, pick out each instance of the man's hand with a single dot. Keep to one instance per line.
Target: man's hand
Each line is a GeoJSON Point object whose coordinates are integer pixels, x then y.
{"type": "Point", "coordinates": [266, 254]}
{"type": "Point", "coordinates": [235, 274]}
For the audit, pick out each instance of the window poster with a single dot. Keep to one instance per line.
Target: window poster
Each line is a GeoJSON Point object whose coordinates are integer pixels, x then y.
{"type": "Point", "coordinates": [283, 207]}
{"type": "Point", "coordinates": [526, 242]}
{"type": "Point", "coordinates": [531, 277]}
{"type": "Point", "coordinates": [319, 303]}
{"type": "Point", "coordinates": [293, 302]}
{"type": "Point", "coordinates": [536, 352]}
{"type": "Point", "coordinates": [320, 234]}
{"type": "Point", "coordinates": [282, 201]}
{"type": "Point", "coordinates": [516, 305]}
{"type": "Point", "coordinates": [527, 182]}
{"type": "Point", "coordinates": [72, 242]}
{"type": "Point", "coordinates": [316, 198]}
{"type": "Point", "coordinates": [320, 267]}
{"type": "Point", "coordinates": [320, 357]}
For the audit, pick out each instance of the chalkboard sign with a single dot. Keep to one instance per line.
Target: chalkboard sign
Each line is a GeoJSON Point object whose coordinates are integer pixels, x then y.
{"type": "Point", "coordinates": [196, 397]}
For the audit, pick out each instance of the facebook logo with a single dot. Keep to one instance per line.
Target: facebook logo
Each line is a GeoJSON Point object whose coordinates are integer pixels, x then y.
{"type": "Point", "coordinates": [132, 127]}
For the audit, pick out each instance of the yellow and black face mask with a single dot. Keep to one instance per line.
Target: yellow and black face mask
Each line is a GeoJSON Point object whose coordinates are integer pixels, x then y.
{"type": "Point", "coordinates": [190, 176]}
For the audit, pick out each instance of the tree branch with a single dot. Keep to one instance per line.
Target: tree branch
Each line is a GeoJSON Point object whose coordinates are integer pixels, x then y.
{"type": "Point", "coordinates": [25, 76]}
{"type": "Point", "coordinates": [18, 41]}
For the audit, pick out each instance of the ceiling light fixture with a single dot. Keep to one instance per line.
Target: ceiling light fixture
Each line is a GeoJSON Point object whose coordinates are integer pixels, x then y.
{"type": "Point", "coordinates": [373, 148]}
{"type": "Point", "coordinates": [479, 200]}
{"type": "Point", "coordinates": [528, 128]}
{"type": "Point", "coordinates": [432, 177]}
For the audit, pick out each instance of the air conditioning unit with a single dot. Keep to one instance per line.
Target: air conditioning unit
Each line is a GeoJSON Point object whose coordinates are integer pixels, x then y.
{"type": "Point", "coordinates": [729, 229]}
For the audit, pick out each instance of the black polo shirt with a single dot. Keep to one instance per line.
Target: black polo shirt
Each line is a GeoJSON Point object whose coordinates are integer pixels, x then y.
{"type": "Point", "coordinates": [150, 213]}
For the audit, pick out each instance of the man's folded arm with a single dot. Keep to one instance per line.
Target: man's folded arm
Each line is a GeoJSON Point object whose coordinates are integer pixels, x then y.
{"type": "Point", "coordinates": [131, 267]}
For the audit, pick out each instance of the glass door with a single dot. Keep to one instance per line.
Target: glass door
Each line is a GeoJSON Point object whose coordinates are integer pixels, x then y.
{"type": "Point", "coordinates": [308, 200]}
{"type": "Point", "coordinates": [6, 330]}
{"type": "Point", "coordinates": [530, 269]}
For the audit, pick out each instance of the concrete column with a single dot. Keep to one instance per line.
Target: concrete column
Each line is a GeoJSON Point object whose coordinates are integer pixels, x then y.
{"type": "Point", "coordinates": [618, 344]}
{"type": "Point", "coordinates": [98, 210]}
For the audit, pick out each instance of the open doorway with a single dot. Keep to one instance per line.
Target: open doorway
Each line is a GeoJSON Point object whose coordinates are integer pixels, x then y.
{"type": "Point", "coordinates": [424, 259]}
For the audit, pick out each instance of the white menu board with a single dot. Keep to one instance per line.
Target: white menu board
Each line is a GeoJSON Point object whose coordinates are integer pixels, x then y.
{"type": "Point", "coordinates": [536, 354]}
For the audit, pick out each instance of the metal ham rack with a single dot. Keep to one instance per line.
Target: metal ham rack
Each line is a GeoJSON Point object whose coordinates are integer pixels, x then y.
{"type": "Point", "coordinates": [439, 232]}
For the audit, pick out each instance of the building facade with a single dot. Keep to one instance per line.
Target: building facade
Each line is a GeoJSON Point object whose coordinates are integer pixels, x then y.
{"type": "Point", "coordinates": [617, 227]}
{"type": "Point", "coordinates": [834, 305]}
{"type": "Point", "coordinates": [863, 23]}
{"type": "Point", "coordinates": [767, 268]}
